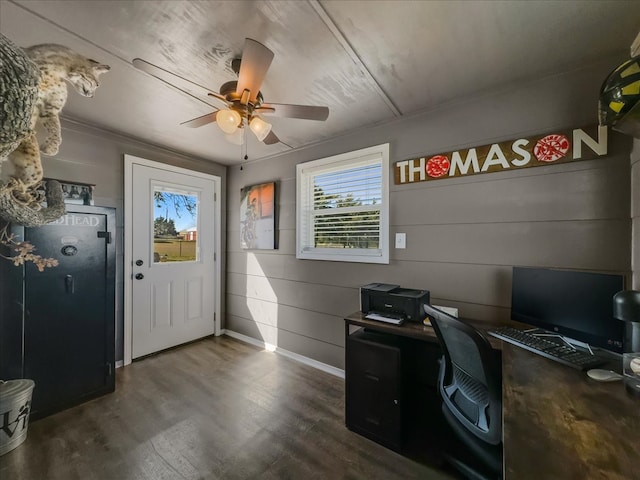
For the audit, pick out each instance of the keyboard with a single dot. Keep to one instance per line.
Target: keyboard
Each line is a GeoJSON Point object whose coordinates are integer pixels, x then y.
{"type": "Point", "coordinates": [555, 351]}
{"type": "Point", "coordinates": [392, 318]}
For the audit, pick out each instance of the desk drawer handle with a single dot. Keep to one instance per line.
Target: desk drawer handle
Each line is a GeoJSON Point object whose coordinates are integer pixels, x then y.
{"type": "Point", "coordinates": [69, 284]}
{"type": "Point", "coordinates": [370, 376]}
{"type": "Point", "coordinates": [374, 421]}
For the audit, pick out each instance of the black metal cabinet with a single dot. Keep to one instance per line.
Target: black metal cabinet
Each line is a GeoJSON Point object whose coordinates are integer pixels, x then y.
{"type": "Point", "coordinates": [391, 387]}
{"type": "Point", "coordinates": [64, 316]}
{"type": "Point", "coordinates": [374, 387]}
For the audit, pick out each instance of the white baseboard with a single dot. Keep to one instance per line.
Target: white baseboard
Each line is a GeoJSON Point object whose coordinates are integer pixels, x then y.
{"type": "Point", "coordinates": [119, 363]}
{"type": "Point", "coordinates": [285, 353]}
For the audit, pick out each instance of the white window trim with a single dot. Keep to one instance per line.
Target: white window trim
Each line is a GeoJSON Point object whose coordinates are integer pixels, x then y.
{"type": "Point", "coordinates": [304, 172]}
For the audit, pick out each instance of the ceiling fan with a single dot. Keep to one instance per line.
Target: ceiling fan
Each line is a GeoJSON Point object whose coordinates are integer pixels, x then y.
{"type": "Point", "coordinates": [242, 99]}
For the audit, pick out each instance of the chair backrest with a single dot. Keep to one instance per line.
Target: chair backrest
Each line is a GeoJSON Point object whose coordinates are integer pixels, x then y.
{"type": "Point", "coordinates": [470, 379]}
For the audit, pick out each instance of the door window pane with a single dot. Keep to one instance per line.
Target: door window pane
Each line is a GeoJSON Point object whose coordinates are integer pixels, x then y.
{"type": "Point", "coordinates": [175, 225]}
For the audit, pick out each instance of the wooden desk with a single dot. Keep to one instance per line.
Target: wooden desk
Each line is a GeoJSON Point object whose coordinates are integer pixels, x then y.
{"type": "Point", "coordinates": [558, 423]}
{"type": "Point", "coordinates": [417, 330]}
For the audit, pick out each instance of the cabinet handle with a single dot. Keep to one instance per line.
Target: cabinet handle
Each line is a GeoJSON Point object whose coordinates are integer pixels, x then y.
{"type": "Point", "coordinates": [69, 284]}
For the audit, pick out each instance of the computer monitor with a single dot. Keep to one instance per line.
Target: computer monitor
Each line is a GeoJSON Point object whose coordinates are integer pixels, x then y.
{"type": "Point", "coordinates": [574, 304]}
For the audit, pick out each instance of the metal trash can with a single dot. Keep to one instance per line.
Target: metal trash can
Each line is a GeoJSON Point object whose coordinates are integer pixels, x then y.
{"type": "Point", "coordinates": [15, 404]}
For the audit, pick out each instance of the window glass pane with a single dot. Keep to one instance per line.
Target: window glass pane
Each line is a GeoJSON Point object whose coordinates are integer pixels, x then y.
{"type": "Point", "coordinates": [350, 193]}
{"type": "Point", "coordinates": [347, 230]}
{"type": "Point", "coordinates": [349, 187]}
{"type": "Point", "coordinates": [175, 225]}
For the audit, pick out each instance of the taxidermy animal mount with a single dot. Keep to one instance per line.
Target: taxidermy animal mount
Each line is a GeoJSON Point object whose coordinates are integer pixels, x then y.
{"type": "Point", "coordinates": [56, 64]}
{"type": "Point", "coordinates": [33, 89]}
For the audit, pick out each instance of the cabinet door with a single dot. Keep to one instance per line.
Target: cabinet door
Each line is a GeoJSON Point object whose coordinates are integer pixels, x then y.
{"type": "Point", "coordinates": [373, 390]}
{"type": "Point", "coordinates": [68, 329]}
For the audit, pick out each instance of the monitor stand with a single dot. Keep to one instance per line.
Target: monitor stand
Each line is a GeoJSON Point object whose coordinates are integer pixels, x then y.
{"type": "Point", "coordinates": [577, 343]}
{"type": "Point", "coordinates": [572, 342]}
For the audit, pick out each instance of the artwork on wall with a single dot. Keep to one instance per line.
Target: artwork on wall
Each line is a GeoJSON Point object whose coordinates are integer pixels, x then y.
{"type": "Point", "coordinates": [535, 151]}
{"type": "Point", "coordinates": [257, 217]}
{"type": "Point", "coordinates": [75, 193]}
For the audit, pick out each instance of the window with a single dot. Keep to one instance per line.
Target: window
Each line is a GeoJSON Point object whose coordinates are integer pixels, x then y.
{"type": "Point", "coordinates": [343, 207]}
{"type": "Point", "coordinates": [175, 224]}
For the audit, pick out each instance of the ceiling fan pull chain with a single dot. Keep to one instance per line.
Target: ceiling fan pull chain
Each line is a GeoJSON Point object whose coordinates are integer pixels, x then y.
{"type": "Point", "coordinates": [246, 147]}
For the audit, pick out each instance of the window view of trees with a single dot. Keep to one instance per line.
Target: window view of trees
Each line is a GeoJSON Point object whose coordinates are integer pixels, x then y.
{"type": "Point", "coordinates": [180, 202]}
{"type": "Point", "coordinates": [343, 221]}
{"type": "Point", "coordinates": [164, 227]}
{"type": "Point", "coordinates": [173, 243]}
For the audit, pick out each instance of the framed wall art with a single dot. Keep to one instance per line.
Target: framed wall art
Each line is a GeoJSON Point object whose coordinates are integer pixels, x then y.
{"type": "Point", "coordinates": [74, 193]}
{"type": "Point", "coordinates": [257, 217]}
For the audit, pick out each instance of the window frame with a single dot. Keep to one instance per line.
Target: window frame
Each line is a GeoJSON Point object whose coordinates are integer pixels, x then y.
{"type": "Point", "coordinates": [305, 173]}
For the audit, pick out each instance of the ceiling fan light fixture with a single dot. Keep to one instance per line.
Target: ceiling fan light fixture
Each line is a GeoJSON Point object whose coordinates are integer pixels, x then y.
{"type": "Point", "coordinates": [228, 120]}
{"type": "Point", "coordinates": [237, 137]}
{"type": "Point", "coordinates": [260, 128]}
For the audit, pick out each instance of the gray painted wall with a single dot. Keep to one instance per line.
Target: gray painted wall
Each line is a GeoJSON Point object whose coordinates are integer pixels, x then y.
{"type": "Point", "coordinates": [463, 234]}
{"type": "Point", "coordinates": [89, 155]}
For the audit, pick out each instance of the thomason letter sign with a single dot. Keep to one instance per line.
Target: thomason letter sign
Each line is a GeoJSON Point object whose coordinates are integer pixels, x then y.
{"type": "Point", "coordinates": [561, 147]}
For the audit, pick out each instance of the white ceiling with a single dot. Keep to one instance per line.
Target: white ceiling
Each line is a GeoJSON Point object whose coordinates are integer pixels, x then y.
{"type": "Point", "coordinates": [368, 61]}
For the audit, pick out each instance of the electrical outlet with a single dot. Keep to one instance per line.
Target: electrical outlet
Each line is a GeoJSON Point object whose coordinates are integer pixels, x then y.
{"type": "Point", "coordinates": [401, 240]}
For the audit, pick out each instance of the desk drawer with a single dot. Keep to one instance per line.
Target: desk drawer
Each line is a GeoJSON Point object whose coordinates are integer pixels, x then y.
{"type": "Point", "coordinates": [374, 388]}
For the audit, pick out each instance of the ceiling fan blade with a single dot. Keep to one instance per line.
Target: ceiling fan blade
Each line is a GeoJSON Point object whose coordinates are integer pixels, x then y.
{"type": "Point", "coordinates": [256, 59]}
{"type": "Point", "coordinates": [200, 121]}
{"type": "Point", "coordinates": [271, 139]}
{"type": "Point", "coordinates": [307, 112]}
{"type": "Point", "coordinates": [176, 81]}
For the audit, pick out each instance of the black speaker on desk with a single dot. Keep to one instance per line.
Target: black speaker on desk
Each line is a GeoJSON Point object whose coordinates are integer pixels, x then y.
{"type": "Point", "coordinates": [626, 307]}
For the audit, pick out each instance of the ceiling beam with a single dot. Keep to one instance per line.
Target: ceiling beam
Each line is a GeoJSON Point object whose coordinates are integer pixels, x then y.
{"type": "Point", "coordinates": [333, 28]}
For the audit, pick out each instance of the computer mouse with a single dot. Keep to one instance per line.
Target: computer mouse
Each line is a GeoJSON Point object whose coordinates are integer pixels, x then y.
{"type": "Point", "coordinates": [604, 375]}
{"type": "Point", "coordinates": [634, 365]}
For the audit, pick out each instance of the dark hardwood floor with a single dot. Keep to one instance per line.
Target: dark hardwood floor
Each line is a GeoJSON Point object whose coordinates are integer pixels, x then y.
{"type": "Point", "coordinates": [214, 409]}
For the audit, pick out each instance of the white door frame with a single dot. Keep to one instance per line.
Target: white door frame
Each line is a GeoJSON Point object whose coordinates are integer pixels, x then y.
{"type": "Point", "coordinates": [129, 161]}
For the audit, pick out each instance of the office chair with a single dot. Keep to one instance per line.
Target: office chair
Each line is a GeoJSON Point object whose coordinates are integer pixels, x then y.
{"type": "Point", "coordinates": [470, 383]}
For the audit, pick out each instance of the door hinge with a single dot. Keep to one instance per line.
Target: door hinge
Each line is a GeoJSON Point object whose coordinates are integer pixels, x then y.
{"type": "Point", "coordinates": [214, 318]}
{"type": "Point", "coordinates": [106, 235]}
{"type": "Point", "coordinates": [215, 197]}
{"type": "Point", "coordinates": [214, 256]}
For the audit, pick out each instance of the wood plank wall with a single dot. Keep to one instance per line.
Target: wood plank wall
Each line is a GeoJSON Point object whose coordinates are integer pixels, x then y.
{"type": "Point", "coordinates": [463, 235]}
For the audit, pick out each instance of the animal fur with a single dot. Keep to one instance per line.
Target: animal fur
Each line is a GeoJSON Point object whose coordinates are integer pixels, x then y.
{"type": "Point", "coordinates": [57, 65]}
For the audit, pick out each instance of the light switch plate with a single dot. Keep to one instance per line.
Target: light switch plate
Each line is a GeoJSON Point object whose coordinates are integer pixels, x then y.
{"type": "Point", "coordinates": [401, 240]}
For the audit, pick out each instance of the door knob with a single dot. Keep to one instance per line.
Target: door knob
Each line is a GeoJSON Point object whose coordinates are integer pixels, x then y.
{"type": "Point", "coordinates": [139, 276]}
{"type": "Point", "coordinates": [139, 263]}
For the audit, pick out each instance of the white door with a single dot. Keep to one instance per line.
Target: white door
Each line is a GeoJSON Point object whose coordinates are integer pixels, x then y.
{"type": "Point", "coordinates": [172, 261]}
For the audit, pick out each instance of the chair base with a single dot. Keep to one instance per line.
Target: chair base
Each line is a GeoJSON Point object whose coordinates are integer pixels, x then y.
{"type": "Point", "coordinates": [476, 460]}
{"type": "Point", "coordinates": [470, 472]}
